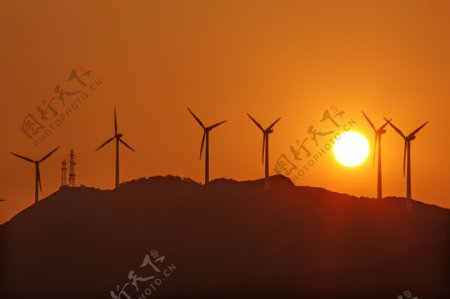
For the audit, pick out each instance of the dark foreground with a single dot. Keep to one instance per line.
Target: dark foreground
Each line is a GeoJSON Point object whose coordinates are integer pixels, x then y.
{"type": "Point", "coordinates": [228, 240]}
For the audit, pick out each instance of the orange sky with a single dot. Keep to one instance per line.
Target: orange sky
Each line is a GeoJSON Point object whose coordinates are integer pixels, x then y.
{"type": "Point", "coordinates": [292, 59]}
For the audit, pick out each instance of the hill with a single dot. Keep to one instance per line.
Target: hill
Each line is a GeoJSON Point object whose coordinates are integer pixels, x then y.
{"type": "Point", "coordinates": [229, 239]}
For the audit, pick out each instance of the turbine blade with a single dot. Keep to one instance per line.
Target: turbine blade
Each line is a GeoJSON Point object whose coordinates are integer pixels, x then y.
{"type": "Point", "coordinates": [23, 157]}
{"type": "Point", "coordinates": [197, 119]}
{"type": "Point", "coordinates": [368, 120]}
{"type": "Point", "coordinates": [203, 142]}
{"type": "Point", "coordinates": [404, 156]}
{"type": "Point", "coordinates": [49, 154]}
{"type": "Point", "coordinates": [273, 124]}
{"type": "Point", "coordinates": [385, 124]}
{"type": "Point", "coordinates": [115, 122]}
{"type": "Point", "coordinates": [256, 123]}
{"type": "Point", "coordinates": [105, 143]}
{"type": "Point", "coordinates": [395, 128]}
{"type": "Point", "coordinates": [39, 178]}
{"type": "Point", "coordinates": [418, 129]}
{"type": "Point", "coordinates": [215, 125]}
{"type": "Point", "coordinates": [124, 143]}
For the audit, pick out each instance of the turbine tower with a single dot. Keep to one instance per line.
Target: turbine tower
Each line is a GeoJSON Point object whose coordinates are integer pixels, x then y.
{"type": "Point", "coordinates": [206, 131]}
{"type": "Point", "coordinates": [378, 132]}
{"type": "Point", "coordinates": [265, 148]}
{"type": "Point", "coordinates": [407, 157]}
{"type": "Point", "coordinates": [118, 137]}
{"type": "Point", "coordinates": [38, 172]}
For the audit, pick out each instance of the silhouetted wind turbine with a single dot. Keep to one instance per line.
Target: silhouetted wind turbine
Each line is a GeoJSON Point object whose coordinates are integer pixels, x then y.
{"type": "Point", "coordinates": [407, 156]}
{"type": "Point", "coordinates": [38, 172]}
{"type": "Point", "coordinates": [118, 137]}
{"type": "Point", "coordinates": [206, 131]}
{"type": "Point", "coordinates": [265, 147]}
{"type": "Point", "coordinates": [378, 132]}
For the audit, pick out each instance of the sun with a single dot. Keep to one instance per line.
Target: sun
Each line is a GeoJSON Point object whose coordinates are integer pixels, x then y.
{"type": "Point", "coordinates": [351, 149]}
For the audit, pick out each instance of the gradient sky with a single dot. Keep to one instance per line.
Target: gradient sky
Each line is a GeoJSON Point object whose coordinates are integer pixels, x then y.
{"type": "Point", "coordinates": [224, 58]}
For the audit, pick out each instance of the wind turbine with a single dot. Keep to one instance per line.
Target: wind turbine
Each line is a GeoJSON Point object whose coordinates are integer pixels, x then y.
{"type": "Point", "coordinates": [206, 131]}
{"type": "Point", "coordinates": [118, 137]}
{"type": "Point", "coordinates": [378, 132]}
{"type": "Point", "coordinates": [38, 172]}
{"type": "Point", "coordinates": [407, 157]}
{"type": "Point", "coordinates": [265, 147]}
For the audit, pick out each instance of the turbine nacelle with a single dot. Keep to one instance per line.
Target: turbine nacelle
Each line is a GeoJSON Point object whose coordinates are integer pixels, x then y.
{"type": "Point", "coordinates": [381, 131]}
{"type": "Point", "coordinates": [407, 155]}
{"type": "Point", "coordinates": [210, 128]}
{"type": "Point", "coordinates": [411, 135]}
{"type": "Point", "coordinates": [377, 147]}
{"type": "Point", "coordinates": [266, 132]}
{"type": "Point", "coordinates": [205, 141]}
{"type": "Point", "coordinates": [206, 130]}
{"type": "Point", "coordinates": [38, 172]}
{"type": "Point", "coordinates": [118, 137]}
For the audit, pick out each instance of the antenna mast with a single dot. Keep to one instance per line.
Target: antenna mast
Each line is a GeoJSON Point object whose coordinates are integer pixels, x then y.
{"type": "Point", "coordinates": [63, 173]}
{"type": "Point", "coordinates": [72, 169]}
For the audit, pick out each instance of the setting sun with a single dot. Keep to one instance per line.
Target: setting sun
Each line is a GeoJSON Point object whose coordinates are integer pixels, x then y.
{"type": "Point", "coordinates": [224, 149]}
{"type": "Point", "coordinates": [351, 149]}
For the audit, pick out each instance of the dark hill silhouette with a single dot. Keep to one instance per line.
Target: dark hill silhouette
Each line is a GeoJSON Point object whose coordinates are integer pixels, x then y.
{"type": "Point", "coordinates": [228, 239]}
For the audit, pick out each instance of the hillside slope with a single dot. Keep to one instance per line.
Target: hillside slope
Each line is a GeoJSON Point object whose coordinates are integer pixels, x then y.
{"type": "Point", "coordinates": [226, 240]}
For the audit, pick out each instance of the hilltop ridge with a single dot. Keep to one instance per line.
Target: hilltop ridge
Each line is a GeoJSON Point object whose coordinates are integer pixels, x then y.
{"type": "Point", "coordinates": [228, 239]}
